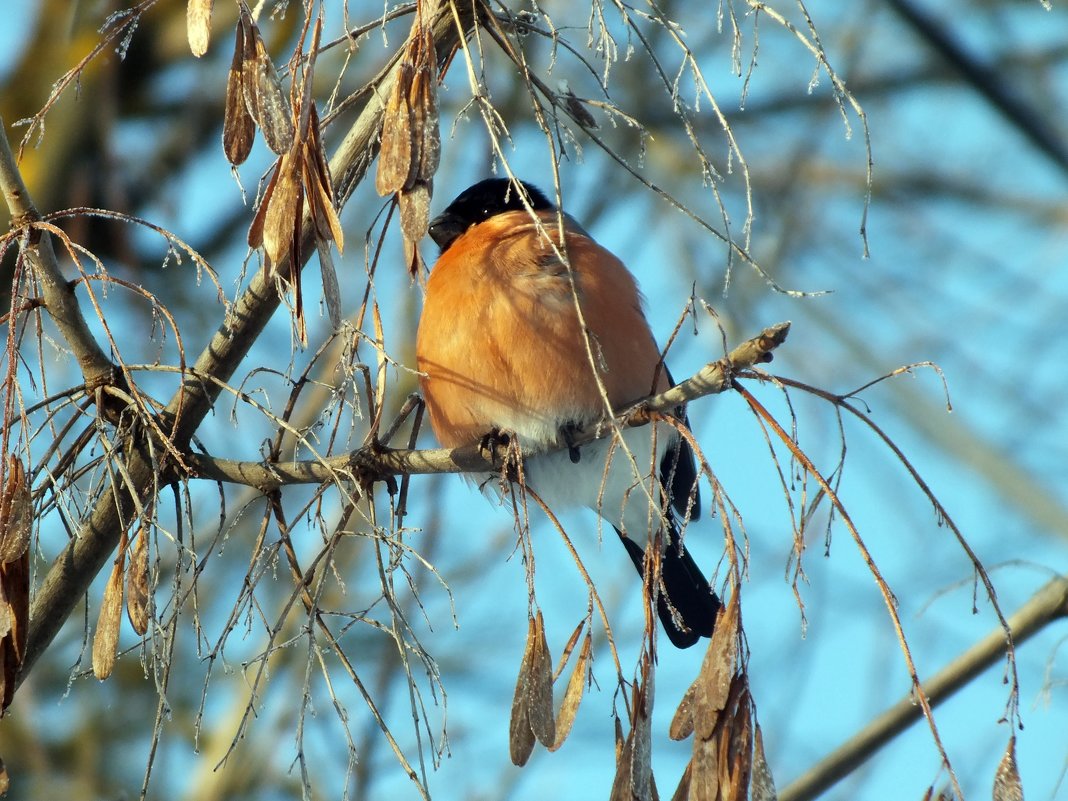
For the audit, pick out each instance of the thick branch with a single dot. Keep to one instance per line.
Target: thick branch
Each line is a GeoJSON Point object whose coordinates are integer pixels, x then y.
{"type": "Point", "coordinates": [1049, 603]}
{"type": "Point", "coordinates": [713, 378]}
{"type": "Point", "coordinates": [75, 568]}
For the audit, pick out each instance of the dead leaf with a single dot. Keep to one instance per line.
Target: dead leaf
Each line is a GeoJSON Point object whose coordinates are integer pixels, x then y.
{"type": "Point", "coordinates": [198, 25]}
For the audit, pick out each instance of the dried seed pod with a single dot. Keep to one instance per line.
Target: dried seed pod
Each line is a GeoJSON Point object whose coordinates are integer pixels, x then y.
{"type": "Point", "coordinates": [16, 512]}
{"type": "Point", "coordinates": [411, 140]}
{"type": "Point", "coordinates": [576, 686]}
{"type": "Point", "coordinates": [138, 590]}
{"type": "Point", "coordinates": [414, 206]}
{"type": "Point", "coordinates": [284, 208]}
{"type": "Point", "coordinates": [395, 152]}
{"type": "Point", "coordinates": [266, 100]}
{"type": "Point", "coordinates": [239, 129]}
{"type": "Point", "coordinates": [106, 638]}
{"type": "Point", "coordinates": [540, 687]}
{"type": "Point", "coordinates": [1007, 784]}
{"type": "Point", "coordinates": [520, 734]}
{"type": "Point", "coordinates": [15, 612]}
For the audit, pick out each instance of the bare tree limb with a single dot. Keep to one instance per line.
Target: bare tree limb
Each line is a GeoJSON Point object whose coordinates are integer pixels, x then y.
{"type": "Point", "coordinates": [1049, 603]}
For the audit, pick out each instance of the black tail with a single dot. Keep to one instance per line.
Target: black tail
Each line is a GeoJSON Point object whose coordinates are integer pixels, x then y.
{"type": "Point", "coordinates": [684, 589]}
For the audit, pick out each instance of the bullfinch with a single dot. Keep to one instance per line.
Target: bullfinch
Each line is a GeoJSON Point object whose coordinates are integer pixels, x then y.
{"type": "Point", "coordinates": [520, 333]}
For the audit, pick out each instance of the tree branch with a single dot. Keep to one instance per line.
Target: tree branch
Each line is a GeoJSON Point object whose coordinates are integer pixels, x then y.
{"type": "Point", "coordinates": [378, 461]}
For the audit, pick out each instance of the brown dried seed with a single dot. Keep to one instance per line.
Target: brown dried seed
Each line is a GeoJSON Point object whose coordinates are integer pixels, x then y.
{"type": "Point", "coordinates": [283, 208]}
{"type": "Point", "coordinates": [682, 792]}
{"type": "Point", "coordinates": [106, 638]}
{"type": "Point", "coordinates": [520, 735]}
{"type": "Point", "coordinates": [573, 695]}
{"type": "Point", "coordinates": [712, 686]}
{"type": "Point", "coordinates": [682, 723]}
{"type": "Point", "coordinates": [426, 137]}
{"type": "Point", "coordinates": [16, 512]}
{"type": "Point", "coordinates": [239, 129]}
{"type": "Point", "coordinates": [395, 153]}
{"type": "Point", "coordinates": [319, 183]}
{"type": "Point", "coordinates": [15, 604]}
{"type": "Point", "coordinates": [763, 788]}
{"type": "Point", "coordinates": [1007, 784]}
{"type": "Point", "coordinates": [138, 598]}
{"type": "Point", "coordinates": [414, 206]}
{"type": "Point", "coordinates": [540, 687]}
{"type": "Point", "coordinates": [266, 100]}
{"type": "Point", "coordinates": [15, 578]}
{"type": "Point", "coordinates": [272, 106]}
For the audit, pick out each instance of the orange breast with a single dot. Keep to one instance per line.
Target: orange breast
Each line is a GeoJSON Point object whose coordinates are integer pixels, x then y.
{"type": "Point", "coordinates": [500, 343]}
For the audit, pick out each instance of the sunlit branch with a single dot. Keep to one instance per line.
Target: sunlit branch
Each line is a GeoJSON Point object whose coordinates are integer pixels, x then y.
{"type": "Point", "coordinates": [379, 462]}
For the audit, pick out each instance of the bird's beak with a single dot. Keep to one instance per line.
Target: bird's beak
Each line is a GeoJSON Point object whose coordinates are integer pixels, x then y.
{"type": "Point", "coordinates": [444, 229]}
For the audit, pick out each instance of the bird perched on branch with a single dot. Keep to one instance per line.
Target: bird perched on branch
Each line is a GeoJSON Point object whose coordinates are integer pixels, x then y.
{"type": "Point", "coordinates": [502, 349]}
